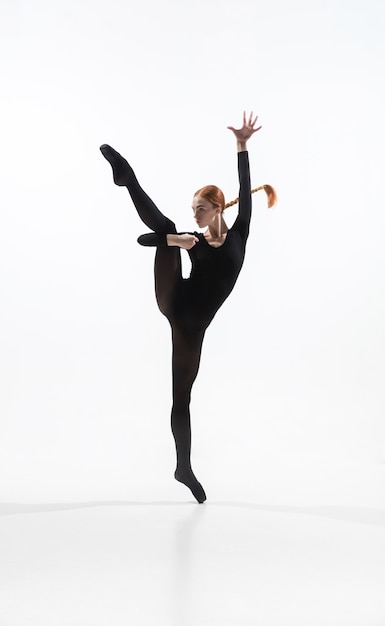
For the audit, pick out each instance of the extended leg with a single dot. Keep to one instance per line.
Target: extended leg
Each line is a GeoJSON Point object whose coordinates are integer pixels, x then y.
{"type": "Point", "coordinates": [124, 177]}
{"type": "Point", "coordinates": [168, 269]}
{"type": "Point", "coordinates": [187, 348]}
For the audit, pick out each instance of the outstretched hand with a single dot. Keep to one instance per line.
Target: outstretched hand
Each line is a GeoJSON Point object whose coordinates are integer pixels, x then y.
{"type": "Point", "coordinates": [247, 130]}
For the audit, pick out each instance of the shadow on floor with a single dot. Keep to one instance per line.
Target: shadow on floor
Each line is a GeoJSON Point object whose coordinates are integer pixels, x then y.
{"type": "Point", "coordinates": [359, 515]}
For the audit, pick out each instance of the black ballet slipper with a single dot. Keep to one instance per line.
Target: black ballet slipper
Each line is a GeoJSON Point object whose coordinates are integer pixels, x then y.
{"type": "Point", "coordinates": [120, 168]}
{"type": "Point", "coordinates": [187, 477]}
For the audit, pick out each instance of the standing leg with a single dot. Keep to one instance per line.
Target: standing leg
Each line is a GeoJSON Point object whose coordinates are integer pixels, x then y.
{"type": "Point", "coordinates": [187, 346]}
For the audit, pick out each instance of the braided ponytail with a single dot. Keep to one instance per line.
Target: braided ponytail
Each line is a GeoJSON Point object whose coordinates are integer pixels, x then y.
{"type": "Point", "coordinates": [270, 192]}
{"type": "Point", "coordinates": [215, 196]}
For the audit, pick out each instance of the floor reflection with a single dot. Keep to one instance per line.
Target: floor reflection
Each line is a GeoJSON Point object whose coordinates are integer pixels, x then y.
{"type": "Point", "coordinates": [362, 515]}
{"type": "Point", "coordinates": [181, 598]}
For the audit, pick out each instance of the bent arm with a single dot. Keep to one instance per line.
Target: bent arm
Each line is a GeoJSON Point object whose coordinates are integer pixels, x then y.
{"type": "Point", "coordinates": [153, 239]}
{"type": "Point", "coordinates": [160, 240]}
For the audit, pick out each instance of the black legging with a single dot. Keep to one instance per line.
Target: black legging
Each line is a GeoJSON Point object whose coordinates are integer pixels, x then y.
{"type": "Point", "coordinates": [186, 342]}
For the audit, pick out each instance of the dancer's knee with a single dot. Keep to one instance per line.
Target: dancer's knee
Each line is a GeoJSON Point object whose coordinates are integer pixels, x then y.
{"type": "Point", "coordinates": [181, 403]}
{"type": "Point", "coordinates": [170, 226]}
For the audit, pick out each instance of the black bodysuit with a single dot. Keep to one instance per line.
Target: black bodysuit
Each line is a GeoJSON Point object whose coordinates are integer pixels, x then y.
{"type": "Point", "coordinates": [189, 304]}
{"type": "Point", "coordinates": [194, 301]}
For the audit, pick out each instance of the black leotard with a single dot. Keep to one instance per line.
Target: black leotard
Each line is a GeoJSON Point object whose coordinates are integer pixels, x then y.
{"type": "Point", "coordinates": [214, 270]}
{"type": "Point", "coordinates": [189, 304]}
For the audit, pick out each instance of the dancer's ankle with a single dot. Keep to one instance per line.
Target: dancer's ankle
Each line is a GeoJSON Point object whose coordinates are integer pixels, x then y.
{"type": "Point", "coordinates": [186, 476]}
{"type": "Point", "coordinates": [120, 168]}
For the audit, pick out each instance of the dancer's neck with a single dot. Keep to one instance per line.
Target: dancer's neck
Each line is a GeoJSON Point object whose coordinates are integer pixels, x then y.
{"type": "Point", "coordinates": [217, 230]}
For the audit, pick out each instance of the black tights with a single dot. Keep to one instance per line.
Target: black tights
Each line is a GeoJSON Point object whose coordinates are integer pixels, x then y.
{"type": "Point", "coordinates": [186, 342]}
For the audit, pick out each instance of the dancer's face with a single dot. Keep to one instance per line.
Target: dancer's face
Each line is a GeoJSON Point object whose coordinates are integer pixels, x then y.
{"type": "Point", "coordinates": [204, 212]}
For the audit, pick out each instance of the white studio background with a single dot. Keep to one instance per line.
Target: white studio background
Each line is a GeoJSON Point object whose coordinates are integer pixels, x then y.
{"type": "Point", "coordinates": [292, 367]}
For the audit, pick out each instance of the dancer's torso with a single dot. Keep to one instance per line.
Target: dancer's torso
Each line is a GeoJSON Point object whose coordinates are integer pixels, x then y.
{"type": "Point", "coordinates": [214, 271]}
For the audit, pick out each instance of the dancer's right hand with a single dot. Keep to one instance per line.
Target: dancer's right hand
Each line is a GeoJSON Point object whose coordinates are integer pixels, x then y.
{"type": "Point", "coordinates": [185, 241]}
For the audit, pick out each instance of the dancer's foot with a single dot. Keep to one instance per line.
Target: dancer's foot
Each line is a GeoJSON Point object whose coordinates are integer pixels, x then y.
{"type": "Point", "coordinates": [187, 477]}
{"type": "Point", "coordinates": [120, 168]}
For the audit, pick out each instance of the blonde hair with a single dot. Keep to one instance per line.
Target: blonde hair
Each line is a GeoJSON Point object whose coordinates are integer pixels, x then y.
{"type": "Point", "coordinates": [268, 189]}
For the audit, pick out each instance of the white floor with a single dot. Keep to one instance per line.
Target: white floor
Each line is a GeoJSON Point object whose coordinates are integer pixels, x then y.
{"type": "Point", "coordinates": [175, 563]}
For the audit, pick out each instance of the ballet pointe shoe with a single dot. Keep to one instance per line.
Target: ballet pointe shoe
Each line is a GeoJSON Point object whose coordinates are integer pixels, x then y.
{"type": "Point", "coordinates": [120, 168]}
{"type": "Point", "coordinates": [187, 477]}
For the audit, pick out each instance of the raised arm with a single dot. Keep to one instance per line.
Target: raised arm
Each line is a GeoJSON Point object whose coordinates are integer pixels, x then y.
{"type": "Point", "coordinates": [242, 135]}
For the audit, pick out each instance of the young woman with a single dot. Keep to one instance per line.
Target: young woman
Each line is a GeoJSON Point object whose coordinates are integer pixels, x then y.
{"type": "Point", "coordinates": [190, 304]}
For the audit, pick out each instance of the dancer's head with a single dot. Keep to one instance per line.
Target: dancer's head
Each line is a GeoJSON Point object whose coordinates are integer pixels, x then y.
{"type": "Point", "coordinates": [208, 203]}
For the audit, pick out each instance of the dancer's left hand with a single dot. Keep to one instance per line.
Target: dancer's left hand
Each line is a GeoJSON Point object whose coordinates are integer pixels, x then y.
{"type": "Point", "coordinates": [247, 130]}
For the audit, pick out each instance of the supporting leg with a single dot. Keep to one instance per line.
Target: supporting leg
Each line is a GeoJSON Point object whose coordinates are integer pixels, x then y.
{"type": "Point", "coordinates": [187, 346]}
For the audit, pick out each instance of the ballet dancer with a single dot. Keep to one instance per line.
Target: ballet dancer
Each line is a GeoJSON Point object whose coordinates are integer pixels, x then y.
{"type": "Point", "coordinates": [190, 304]}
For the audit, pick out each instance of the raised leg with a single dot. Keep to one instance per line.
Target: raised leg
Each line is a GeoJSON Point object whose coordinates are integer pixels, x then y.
{"type": "Point", "coordinates": [168, 268]}
{"type": "Point", "coordinates": [187, 346]}
{"type": "Point", "coordinates": [124, 177]}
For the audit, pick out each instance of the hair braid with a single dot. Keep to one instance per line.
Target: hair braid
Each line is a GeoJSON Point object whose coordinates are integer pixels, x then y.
{"type": "Point", "coordinates": [270, 192]}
